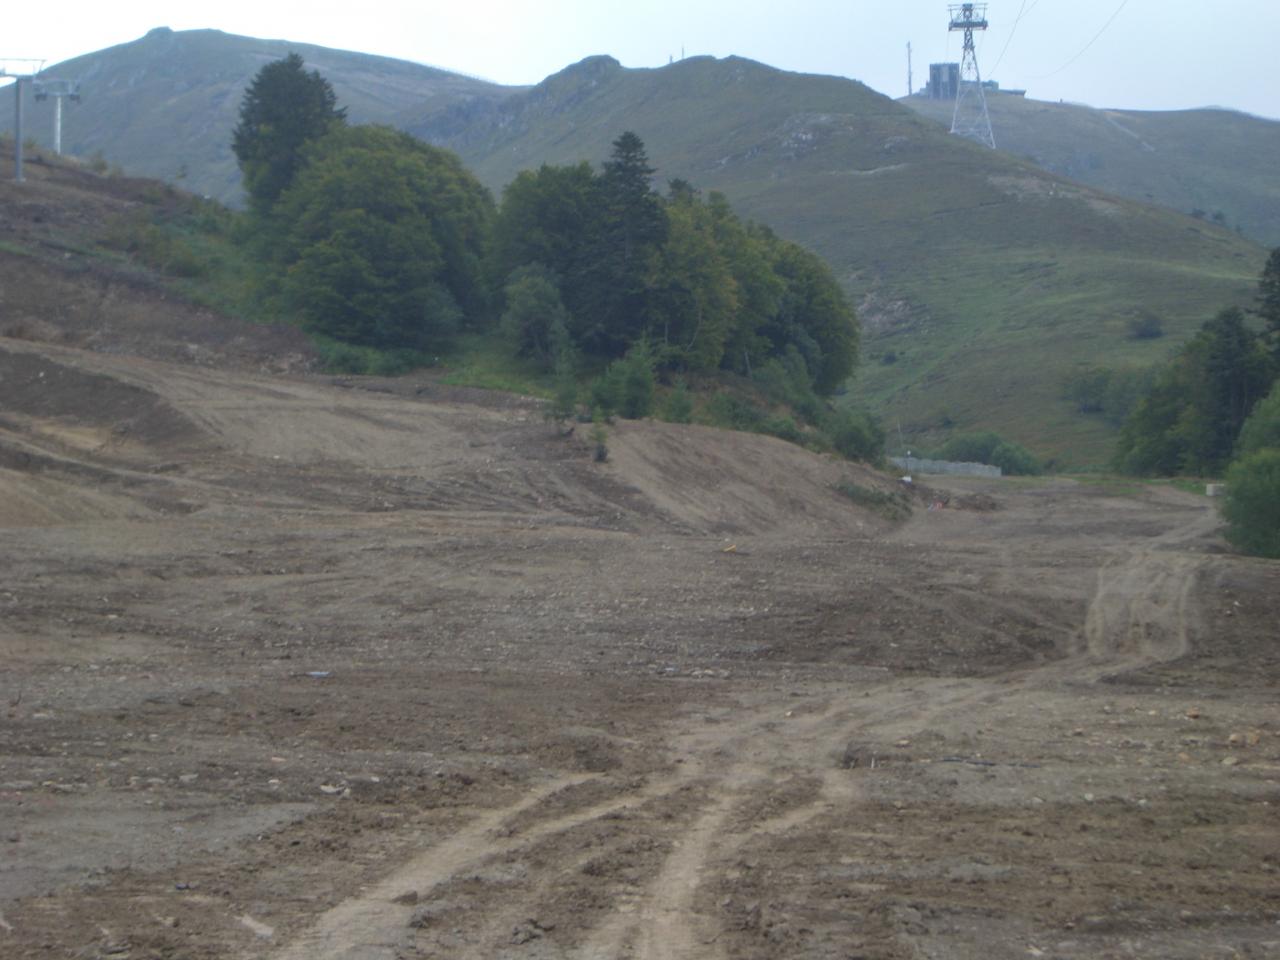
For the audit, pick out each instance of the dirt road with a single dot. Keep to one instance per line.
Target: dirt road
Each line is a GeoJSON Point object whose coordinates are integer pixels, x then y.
{"type": "Point", "coordinates": [333, 669]}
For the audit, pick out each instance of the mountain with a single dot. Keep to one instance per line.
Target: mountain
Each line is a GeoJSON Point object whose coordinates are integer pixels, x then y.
{"type": "Point", "coordinates": [982, 279]}
{"type": "Point", "coordinates": [164, 105]}
{"type": "Point", "coordinates": [1221, 163]}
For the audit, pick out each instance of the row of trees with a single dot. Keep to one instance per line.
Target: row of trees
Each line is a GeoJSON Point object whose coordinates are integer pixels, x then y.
{"type": "Point", "coordinates": [375, 238]}
{"type": "Point", "coordinates": [615, 263]}
{"type": "Point", "coordinates": [1216, 407]}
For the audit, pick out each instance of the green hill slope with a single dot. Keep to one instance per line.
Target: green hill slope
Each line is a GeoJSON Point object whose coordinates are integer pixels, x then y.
{"type": "Point", "coordinates": [1216, 161]}
{"type": "Point", "coordinates": [982, 279]}
{"type": "Point", "coordinates": [164, 105]}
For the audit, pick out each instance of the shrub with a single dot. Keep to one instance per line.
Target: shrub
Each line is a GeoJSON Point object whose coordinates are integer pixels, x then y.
{"type": "Point", "coordinates": [988, 447]}
{"type": "Point", "coordinates": [784, 428]}
{"type": "Point", "coordinates": [1145, 326]}
{"type": "Point", "coordinates": [732, 412]}
{"type": "Point", "coordinates": [638, 384]}
{"type": "Point", "coordinates": [855, 434]}
{"type": "Point", "coordinates": [1252, 504]}
{"type": "Point", "coordinates": [1262, 429]}
{"type": "Point", "coordinates": [893, 506]}
{"type": "Point", "coordinates": [679, 405]}
{"type": "Point", "coordinates": [604, 394]}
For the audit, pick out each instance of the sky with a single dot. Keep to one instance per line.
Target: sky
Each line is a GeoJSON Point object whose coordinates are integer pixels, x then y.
{"type": "Point", "coordinates": [1132, 54]}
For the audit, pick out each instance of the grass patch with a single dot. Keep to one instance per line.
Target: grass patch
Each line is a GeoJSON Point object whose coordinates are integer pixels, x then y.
{"type": "Point", "coordinates": [475, 360]}
{"type": "Point", "coordinates": [891, 506]}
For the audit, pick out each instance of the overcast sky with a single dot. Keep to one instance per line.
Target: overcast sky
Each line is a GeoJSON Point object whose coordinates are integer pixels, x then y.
{"type": "Point", "coordinates": [1136, 54]}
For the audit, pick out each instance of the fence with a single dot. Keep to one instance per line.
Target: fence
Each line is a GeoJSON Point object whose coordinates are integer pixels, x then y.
{"type": "Point", "coordinates": [913, 465]}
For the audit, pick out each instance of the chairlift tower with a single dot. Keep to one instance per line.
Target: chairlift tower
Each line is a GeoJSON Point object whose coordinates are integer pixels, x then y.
{"type": "Point", "coordinates": [28, 68]}
{"type": "Point", "coordinates": [970, 118]}
{"type": "Point", "coordinates": [59, 90]}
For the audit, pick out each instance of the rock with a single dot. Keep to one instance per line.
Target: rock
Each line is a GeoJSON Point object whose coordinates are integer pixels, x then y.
{"type": "Point", "coordinates": [1193, 713]}
{"type": "Point", "coordinates": [529, 930]}
{"type": "Point", "coordinates": [1230, 761]}
{"type": "Point", "coordinates": [408, 898]}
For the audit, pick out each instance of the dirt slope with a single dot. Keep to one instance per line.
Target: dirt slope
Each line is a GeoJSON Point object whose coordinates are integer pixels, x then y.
{"type": "Point", "coordinates": [303, 666]}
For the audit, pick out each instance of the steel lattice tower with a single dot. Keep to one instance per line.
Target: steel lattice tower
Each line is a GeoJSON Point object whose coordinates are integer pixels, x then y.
{"type": "Point", "coordinates": [970, 118]}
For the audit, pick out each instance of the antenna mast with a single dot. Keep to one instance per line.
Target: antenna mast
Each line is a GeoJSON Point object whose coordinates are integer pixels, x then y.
{"type": "Point", "coordinates": [911, 87]}
{"type": "Point", "coordinates": [970, 118]}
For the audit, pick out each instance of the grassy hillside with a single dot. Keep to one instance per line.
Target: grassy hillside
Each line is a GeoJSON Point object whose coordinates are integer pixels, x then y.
{"type": "Point", "coordinates": [165, 105]}
{"type": "Point", "coordinates": [982, 279]}
{"type": "Point", "coordinates": [1216, 161]}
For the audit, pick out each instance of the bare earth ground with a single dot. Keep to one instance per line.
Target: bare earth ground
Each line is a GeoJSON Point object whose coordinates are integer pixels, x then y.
{"type": "Point", "coordinates": [310, 668]}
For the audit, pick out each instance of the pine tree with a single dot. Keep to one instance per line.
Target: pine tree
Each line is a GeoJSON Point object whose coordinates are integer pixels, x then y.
{"type": "Point", "coordinates": [283, 109]}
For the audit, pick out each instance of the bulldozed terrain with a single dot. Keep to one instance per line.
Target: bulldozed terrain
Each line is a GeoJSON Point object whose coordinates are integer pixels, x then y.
{"type": "Point", "coordinates": [302, 666]}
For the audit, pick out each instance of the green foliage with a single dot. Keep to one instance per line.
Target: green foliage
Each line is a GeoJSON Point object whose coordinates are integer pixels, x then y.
{"type": "Point", "coordinates": [1252, 504]}
{"type": "Point", "coordinates": [380, 240]}
{"type": "Point", "coordinates": [707, 291]}
{"type": "Point", "coordinates": [855, 434]}
{"type": "Point", "coordinates": [816, 316]}
{"type": "Point", "coordinates": [1262, 429]}
{"type": "Point", "coordinates": [339, 357]}
{"type": "Point", "coordinates": [784, 428]}
{"type": "Point", "coordinates": [1189, 420]}
{"type": "Point", "coordinates": [892, 506]}
{"type": "Point", "coordinates": [604, 395]}
{"type": "Point", "coordinates": [158, 245]}
{"type": "Point", "coordinates": [283, 109]}
{"type": "Point", "coordinates": [785, 380]}
{"type": "Point", "coordinates": [678, 407]}
{"type": "Point", "coordinates": [600, 438]}
{"type": "Point", "coordinates": [628, 386]}
{"type": "Point", "coordinates": [1145, 326]}
{"type": "Point", "coordinates": [535, 321]}
{"type": "Point", "coordinates": [1269, 301]}
{"type": "Point", "coordinates": [693, 296]}
{"type": "Point", "coordinates": [637, 384]}
{"type": "Point", "coordinates": [731, 411]}
{"type": "Point", "coordinates": [1015, 460]}
{"type": "Point", "coordinates": [564, 401]}
{"type": "Point", "coordinates": [547, 218]}
{"type": "Point", "coordinates": [988, 447]}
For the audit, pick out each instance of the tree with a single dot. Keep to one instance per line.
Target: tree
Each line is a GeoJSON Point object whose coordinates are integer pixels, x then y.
{"type": "Point", "coordinates": [535, 320]}
{"type": "Point", "coordinates": [988, 447]}
{"type": "Point", "coordinates": [1190, 418]}
{"type": "Point", "coordinates": [1252, 504]}
{"type": "Point", "coordinates": [382, 238]}
{"type": "Point", "coordinates": [814, 315]}
{"type": "Point", "coordinates": [629, 229]}
{"type": "Point", "coordinates": [283, 109]}
{"type": "Point", "coordinates": [1262, 429]}
{"type": "Point", "coordinates": [694, 296]}
{"type": "Point", "coordinates": [548, 217]}
{"type": "Point", "coordinates": [1269, 301]}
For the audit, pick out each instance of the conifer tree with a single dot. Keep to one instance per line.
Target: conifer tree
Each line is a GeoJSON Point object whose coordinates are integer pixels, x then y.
{"type": "Point", "coordinates": [283, 109]}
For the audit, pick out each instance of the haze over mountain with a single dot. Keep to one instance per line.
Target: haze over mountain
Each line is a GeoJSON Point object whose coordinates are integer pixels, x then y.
{"type": "Point", "coordinates": [982, 279]}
